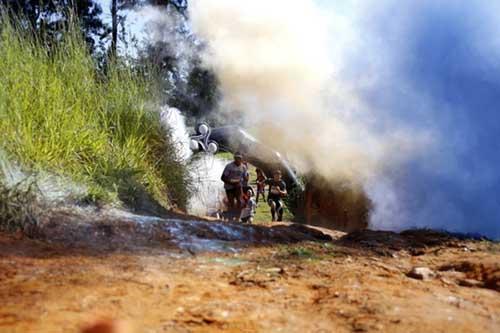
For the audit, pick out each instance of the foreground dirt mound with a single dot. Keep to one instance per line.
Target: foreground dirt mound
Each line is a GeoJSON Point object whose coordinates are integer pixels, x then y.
{"type": "Point", "coordinates": [415, 242]}
{"type": "Point", "coordinates": [482, 274]}
{"type": "Point", "coordinates": [152, 277]}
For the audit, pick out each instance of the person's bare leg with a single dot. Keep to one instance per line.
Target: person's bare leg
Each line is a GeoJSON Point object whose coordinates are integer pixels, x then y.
{"type": "Point", "coordinates": [272, 204]}
{"type": "Point", "coordinates": [280, 212]}
{"type": "Point", "coordinates": [231, 206]}
{"type": "Point", "coordinates": [234, 210]}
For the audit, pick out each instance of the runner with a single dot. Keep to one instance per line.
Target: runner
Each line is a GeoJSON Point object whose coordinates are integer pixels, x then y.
{"type": "Point", "coordinates": [248, 211]}
{"type": "Point", "coordinates": [235, 173]}
{"type": "Point", "coordinates": [261, 184]}
{"type": "Point", "coordinates": [277, 190]}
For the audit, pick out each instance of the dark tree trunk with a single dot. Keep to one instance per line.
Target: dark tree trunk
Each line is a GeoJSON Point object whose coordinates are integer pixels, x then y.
{"type": "Point", "coordinates": [114, 28]}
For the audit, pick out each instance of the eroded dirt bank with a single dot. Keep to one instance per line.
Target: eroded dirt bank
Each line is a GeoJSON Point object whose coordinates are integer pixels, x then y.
{"type": "Point", "coordinates": [353, 283]}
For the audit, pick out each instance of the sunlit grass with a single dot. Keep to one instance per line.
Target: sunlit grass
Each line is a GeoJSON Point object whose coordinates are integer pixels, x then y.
{"type": "Point", "coordinates": [58, 114]}
{"type": "Point", "coordinates": [309, 251]}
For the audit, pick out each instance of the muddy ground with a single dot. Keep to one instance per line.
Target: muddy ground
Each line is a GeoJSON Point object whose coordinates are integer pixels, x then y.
{"type": "Point", "coordinates": [285, 279]}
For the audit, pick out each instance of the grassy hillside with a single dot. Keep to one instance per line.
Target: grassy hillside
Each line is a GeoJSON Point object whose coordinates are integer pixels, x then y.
{"type": "Point", "coordinates": [59, 115]}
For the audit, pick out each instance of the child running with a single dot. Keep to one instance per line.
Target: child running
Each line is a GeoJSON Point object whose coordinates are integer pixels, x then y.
{"type": "Point", "coordinates": [261, 185]}
{"type": "Point", "coordinates": [248, 211]}
{"type": "Point", "coordinates": [277, 190]}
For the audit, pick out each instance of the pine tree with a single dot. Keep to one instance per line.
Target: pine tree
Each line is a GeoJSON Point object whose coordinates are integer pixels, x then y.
{"type": "Point", "coordinates": [50, 17]}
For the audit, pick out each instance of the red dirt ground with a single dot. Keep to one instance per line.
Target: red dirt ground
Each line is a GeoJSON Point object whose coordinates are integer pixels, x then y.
{"type": "Point", "coordinates": [354, 283]}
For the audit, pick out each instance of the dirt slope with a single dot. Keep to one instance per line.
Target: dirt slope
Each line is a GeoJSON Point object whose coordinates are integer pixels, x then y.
{"type": "Point", "coordinates": [354, 283]}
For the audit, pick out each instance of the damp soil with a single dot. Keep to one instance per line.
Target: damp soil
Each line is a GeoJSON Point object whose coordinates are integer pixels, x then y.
{"type": "Point", "coordinates": [269, 278]}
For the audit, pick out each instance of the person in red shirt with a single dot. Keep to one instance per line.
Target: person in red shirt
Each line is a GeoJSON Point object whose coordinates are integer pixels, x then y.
{"type": "Point", "coordinates": [261, 185]}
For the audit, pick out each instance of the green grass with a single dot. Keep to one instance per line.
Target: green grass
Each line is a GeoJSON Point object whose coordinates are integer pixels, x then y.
{"type": "Point", "coordinates": [307, 251]}
{"type": "Point", "coordinates": [58, 114]}
{"type": "Point", "coordinates": [225, 155]}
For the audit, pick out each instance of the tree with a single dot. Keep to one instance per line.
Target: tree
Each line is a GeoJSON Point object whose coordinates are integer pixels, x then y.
{"type": "Point", "coordinates": [187, 86]}
{"type": "Point", "coordinates": [179, 5]}
{"type": "Point", "coordinates": [174, 51]}
{"type": "Point", "coordinates": [200, 95]}
{"type": "Point", "coordinates": [121, 5]}
{"type": "Point", "coordinates": [51, 16]}
{"type": "Point", "coordinates": [114, 27]}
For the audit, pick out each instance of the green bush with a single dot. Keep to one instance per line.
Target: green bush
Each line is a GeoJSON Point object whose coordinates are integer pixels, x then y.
{"type": "Point", "coordinates": [58, 114]}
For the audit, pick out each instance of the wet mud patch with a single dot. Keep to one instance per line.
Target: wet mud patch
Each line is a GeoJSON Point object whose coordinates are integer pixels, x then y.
{"type": "Point", "coordinates": [115, 230]}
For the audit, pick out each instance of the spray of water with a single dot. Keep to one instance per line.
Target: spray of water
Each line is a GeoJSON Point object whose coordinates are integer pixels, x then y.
{"type": "Point", "coordinates": [208, 191]}
{"type": "Point", "coordinates": [205, 169]}
{"type": "Point", "coordinates": [173, 119]}
{"type": "Point", "coordinates": [398, 96]}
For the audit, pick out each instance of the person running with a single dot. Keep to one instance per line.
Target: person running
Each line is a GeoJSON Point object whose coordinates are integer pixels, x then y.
{"type": "Point", "coordinates": [277, 190]}
{"type": "Point", "coordinates": [233, 177]}
{"type": "Point", "coordinates": [246, 177]}
{"type": "Point", "coordinates": [248, 211]}
{"type": "Point", "coordinates": [261, 185]}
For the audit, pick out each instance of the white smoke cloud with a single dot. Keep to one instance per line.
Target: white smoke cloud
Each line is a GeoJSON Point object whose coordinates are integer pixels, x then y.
{"type": "Point", "coordinates": [434, 65]}
{"type": "Point", "coordinates": [397, 95]}
{"type": "Point", "coordinates": [167, 30]}
{"type": "Point", "coordinates": [274, 63]}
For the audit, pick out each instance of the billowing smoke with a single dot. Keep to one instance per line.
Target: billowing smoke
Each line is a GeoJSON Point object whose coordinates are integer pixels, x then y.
{"type": "Point", "coordinates": [442, 72]}
{"type": "Point", "coordinates": [400, 96]}
{"type": "Point", "coordinates": [273, 62]}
